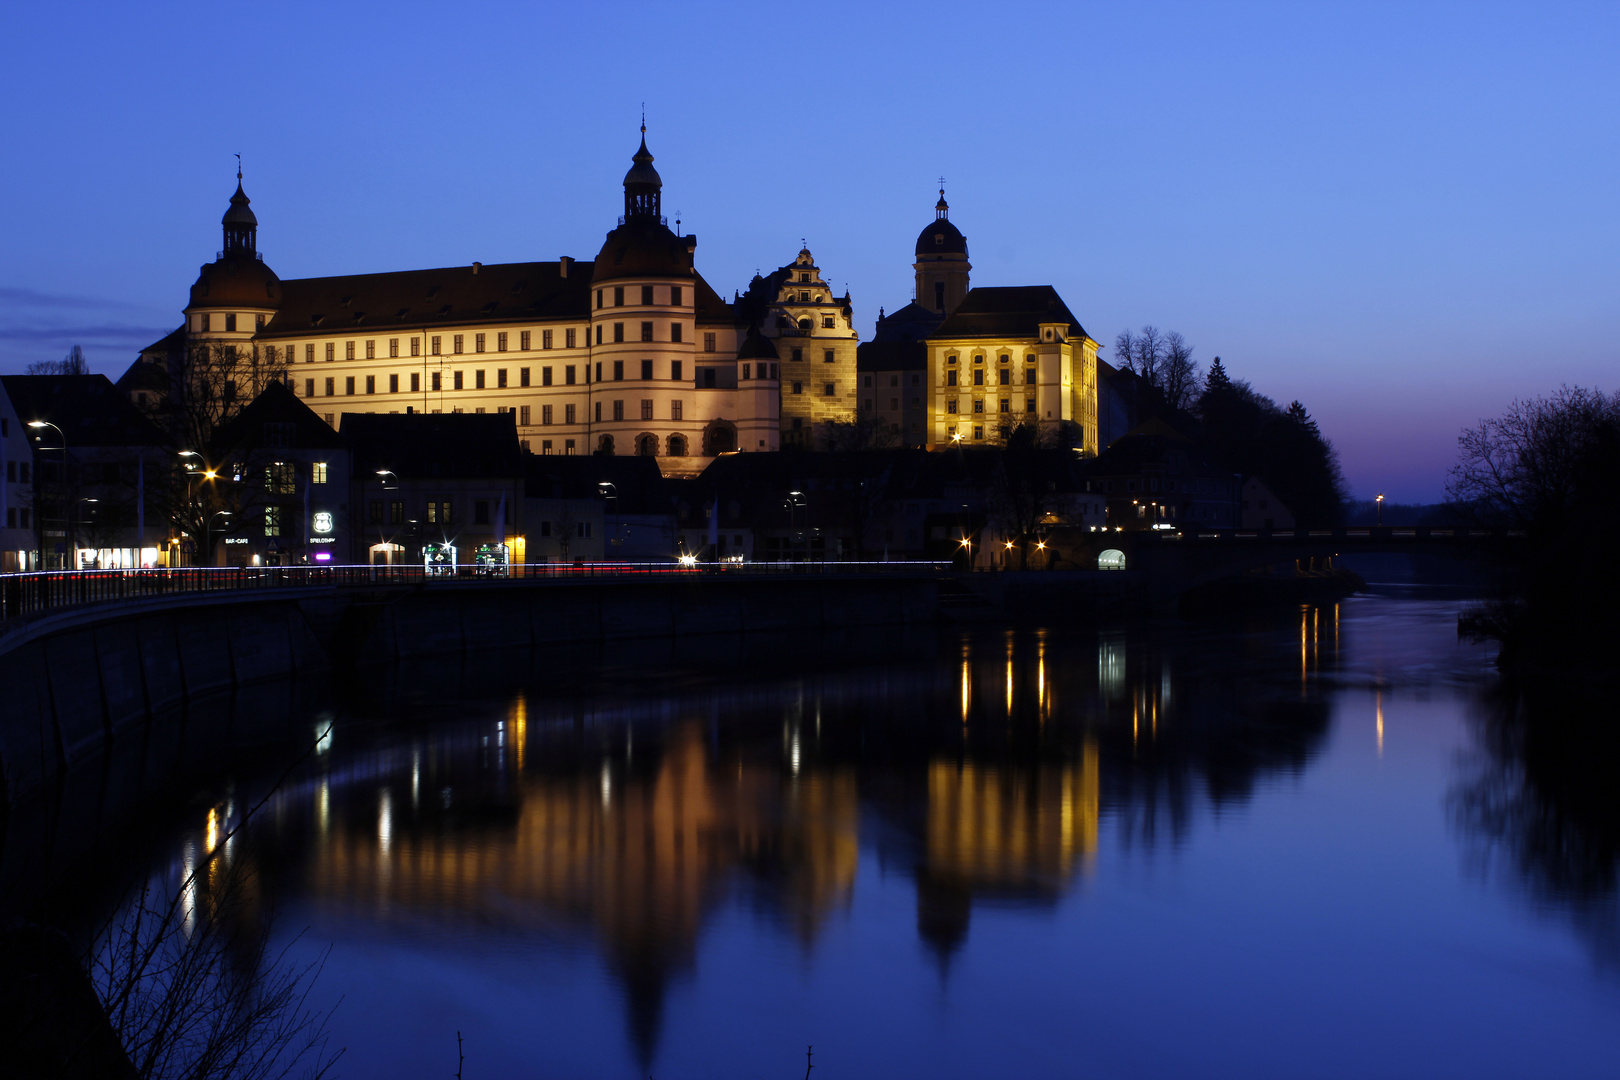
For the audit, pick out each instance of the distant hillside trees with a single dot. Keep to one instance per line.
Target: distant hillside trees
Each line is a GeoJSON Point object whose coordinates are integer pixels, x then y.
{"type": "Point", "coordinates": [1251, 434]}
{"type": "Point", "coordinates": [71, 364]}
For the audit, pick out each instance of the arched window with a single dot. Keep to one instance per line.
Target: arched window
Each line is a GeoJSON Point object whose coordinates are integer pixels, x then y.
{"type": "Point", "coordinates": [1112, 559]}
{"type": "Point", "coordinates": [677, 446]}
{"type": "Point", "coordinates": [647, 445]}
{"type": "Point", "coordinates": [604, 445]}
{"type": "Point", "coordinates": [719, 438]}
{"type": "Point", "coordinates": [804, 324]}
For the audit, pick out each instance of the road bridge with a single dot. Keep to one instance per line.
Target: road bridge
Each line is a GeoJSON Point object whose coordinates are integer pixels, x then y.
{"type": "Point", "coordinates": [1171, 562]}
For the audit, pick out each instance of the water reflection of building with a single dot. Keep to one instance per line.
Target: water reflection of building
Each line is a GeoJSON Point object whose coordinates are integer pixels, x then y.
{"type": "Point", "coordinates": [1001, 830]}
{"type": "Point", "coordinates": [641, 857]}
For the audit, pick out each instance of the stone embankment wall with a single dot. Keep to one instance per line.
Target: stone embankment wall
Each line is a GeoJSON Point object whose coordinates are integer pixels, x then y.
{"type": "Point", "coordinates": [75, 682]}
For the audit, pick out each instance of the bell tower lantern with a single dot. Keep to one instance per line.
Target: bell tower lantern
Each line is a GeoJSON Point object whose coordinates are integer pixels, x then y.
{"type": "Point", "coordinates": [942, 262]}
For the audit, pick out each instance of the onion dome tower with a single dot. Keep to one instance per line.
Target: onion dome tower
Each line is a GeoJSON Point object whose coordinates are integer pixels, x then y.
{"type": "Point", "coordinates": [237, 292]}
{"type": "Point", "coordinates": [643, 246]}
{"type": "Point", "coordinates": [942, 262]}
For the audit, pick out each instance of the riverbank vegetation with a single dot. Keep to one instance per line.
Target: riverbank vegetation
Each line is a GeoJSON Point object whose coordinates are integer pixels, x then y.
{"type": "Point", "coordinates": [1240, 428]}
{"type": "Point", "coordinates": [1548, 471]}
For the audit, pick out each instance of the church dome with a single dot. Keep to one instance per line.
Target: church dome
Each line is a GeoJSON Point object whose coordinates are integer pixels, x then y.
{"type": "Point", "coordinates": [238, 213]}
{"type": "Point", "coordinates": [642, 172]}
{"type": "Point", "coordinates": [238, 278]}
{"type": "Point", "coordinates": [941, 237]}
{"type": "Point", "coordinates": [643, 249]}
{"type": "Point", "coordinates": [236, 282]}
{"type": "Point", "coordinates": [643, 246]}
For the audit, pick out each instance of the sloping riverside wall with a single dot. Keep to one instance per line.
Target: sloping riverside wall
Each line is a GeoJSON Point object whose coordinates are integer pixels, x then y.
{"type": "Point", "coordinates": [75, 682]}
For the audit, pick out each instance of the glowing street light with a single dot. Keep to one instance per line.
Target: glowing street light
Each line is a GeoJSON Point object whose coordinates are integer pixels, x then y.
{"type": "Point", "coordinates": [37, 424]}
{"type": "Point", "coordinates": [1379, 503]}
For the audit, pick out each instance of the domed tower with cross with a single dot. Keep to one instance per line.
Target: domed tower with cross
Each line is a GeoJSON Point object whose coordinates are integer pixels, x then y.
{"type": "Point", "coordinates": [942, 261]}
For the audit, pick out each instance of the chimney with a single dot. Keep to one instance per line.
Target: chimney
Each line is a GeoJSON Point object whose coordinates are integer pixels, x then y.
{"type": "Point", "coordinates": [563, 264]}
{"type": "Point", "coordinates": [476, 267]}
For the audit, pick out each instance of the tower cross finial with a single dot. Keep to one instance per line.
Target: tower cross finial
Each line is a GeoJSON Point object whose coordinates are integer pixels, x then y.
{"type": "Point", "coordinates": [644, 118]}
{"type": "Point", "coordinates": [239, 168]}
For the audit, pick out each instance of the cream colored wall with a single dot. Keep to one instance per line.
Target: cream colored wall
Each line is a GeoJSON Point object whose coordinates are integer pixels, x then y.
{"type": "Point", "coordinates": [1065, 388]}
{"type": "Point", "coordinates": [813, 406]}
{"type": "Point", "coordinates": [698, 408]}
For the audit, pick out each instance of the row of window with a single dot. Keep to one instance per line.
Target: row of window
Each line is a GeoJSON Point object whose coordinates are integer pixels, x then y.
{"type": "Point", "coordinates": [281, 477]}
{"type": "Point", "coordinates": [827, 356]}
{"type": "Point", "coordinates": [458, 342]}
{"type": "Point", "coordinates": [1005, 377]}
{"type": "Point", "coordinates": [894, 380]}
{"type": "Point", "coordinates": [570, 373]}
{"type": "Point", "coordinates": [205, 322]}
{"type": "Point", "coordinates": [436, 511]}
{"type": "Point", "coordinates": [647, 294]}
{"type": "Point", "coordinates": [978, 405]}
{"type": "Point", "coordinates": [827, 389]}
{"type": "Point", "coordinates": [1004, 358]}
{"type": "Point", "coordinates": [828, 322]}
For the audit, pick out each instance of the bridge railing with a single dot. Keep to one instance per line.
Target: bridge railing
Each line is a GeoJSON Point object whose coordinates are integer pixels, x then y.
{"type": "Point", "coordinates": [28, 594]}
{"type": "Point", "coordinates": [1350, 534]}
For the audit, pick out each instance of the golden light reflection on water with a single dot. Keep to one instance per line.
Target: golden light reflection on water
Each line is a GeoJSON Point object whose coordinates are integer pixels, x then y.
{"type": "Point", "coordinates": [1010, 828]}
{"type": "Point", "coordinates": [1380, 721]}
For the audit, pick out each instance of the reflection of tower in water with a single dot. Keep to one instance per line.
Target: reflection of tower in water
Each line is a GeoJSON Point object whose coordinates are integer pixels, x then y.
{"type": "Point", "coordinates": [639, 856]}
{"type": "Point", "coordinates": [1001, 830]}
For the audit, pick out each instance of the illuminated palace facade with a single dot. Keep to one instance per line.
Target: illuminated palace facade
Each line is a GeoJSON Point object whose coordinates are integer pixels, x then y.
{"type": "Point", "coordinates": [634, 352]}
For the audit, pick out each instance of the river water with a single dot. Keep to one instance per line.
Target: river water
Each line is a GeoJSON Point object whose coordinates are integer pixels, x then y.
{"type": "Point", "coordinates": [1293, 846]}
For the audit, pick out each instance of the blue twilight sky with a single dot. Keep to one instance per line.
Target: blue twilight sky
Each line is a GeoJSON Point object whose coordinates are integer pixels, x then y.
{"type": "Point", "coordinates": [1403, 215]}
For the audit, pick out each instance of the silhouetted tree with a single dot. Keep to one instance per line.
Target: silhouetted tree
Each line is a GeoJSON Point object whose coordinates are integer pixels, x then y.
{"type": "Point", "coordinates": [1164, 360]}
{"type": "Point", "coordinates": [1248, 433]}
{"type": "Point", "coordinates": [71, 364]}
{"type": "Point", "coordinates": [1549, 470]}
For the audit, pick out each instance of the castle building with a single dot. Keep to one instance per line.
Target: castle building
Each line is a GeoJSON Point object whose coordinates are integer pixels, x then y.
{"type": "Point", "coordinates": [963, 366]}
{"type": "Point", "coordinates": [1010, 356]}
{"type": "Point", "coordinates": [812, 335]}
{"type": "Point", "coordinates": [633, 353]}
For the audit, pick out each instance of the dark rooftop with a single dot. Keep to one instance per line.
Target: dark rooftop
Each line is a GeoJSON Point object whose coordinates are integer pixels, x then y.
{"type": "Point", "coordinates": [402, 300]}
{"type": "Point", "coordinates": [276, 405]}
{"type": "Point", "coordinates": [1008, 312]}
{"type": "Point", "coordinates": [89, 409]}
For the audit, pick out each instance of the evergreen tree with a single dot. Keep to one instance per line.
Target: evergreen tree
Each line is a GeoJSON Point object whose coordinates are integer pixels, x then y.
{"type": "Point", "coordinates": [1250, 434]}
{"type": "Point", "coordinates": [1216, 380]}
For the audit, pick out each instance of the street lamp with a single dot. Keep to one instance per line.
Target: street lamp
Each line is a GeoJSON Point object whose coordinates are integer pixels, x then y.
{"type": "Point", "coordinates": [208, 532]}
{"type": "Point", "coordinates": [610, 493]}
{"type": "Point", "coordinates": [1379, 503]}
{"type": "Point", "coordinates": [73, 535]}
{"type": "Point", "coordinates": [37, 424]}
{"type": "Point", "coordinates": [794, 503]}
{"type": "Point", "coordinates": [382, 540]}
{"type": "Point", "coordinates": [61, 479]}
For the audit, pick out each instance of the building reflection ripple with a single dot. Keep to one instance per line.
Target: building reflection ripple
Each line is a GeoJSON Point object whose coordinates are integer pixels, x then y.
{"type": "Point", "coordinates": [982, 766]}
